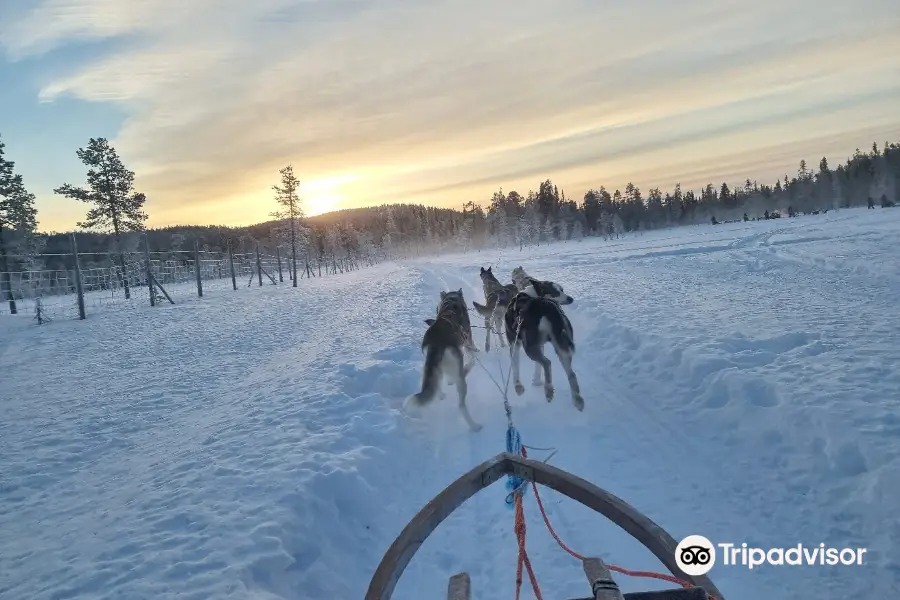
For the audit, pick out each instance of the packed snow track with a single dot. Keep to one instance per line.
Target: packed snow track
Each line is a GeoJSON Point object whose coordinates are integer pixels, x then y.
{"type": "Point", "coordinates": [740, 381]}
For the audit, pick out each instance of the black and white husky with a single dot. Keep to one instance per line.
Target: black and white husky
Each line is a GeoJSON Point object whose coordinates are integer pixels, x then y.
{"type": "Point", "coordinates": [533, 318]}
{"type": "Point", "coordinates": [445, 343]}
{"type": "Point", "coordinates": [497, 297]}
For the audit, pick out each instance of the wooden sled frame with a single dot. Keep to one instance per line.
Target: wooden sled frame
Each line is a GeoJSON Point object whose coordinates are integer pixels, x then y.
{"type": "Point", "coordinates": [644, 530]}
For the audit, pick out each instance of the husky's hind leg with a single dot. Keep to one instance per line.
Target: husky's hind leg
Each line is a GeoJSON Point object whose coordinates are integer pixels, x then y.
{"type": "Point", "coordinates": [537, 380]}
{"type": "Point", "coordinates": [456, 370]}
{"type": "Point", "coordinates": [468, 364]}
{"type": "Point", "coordinates": [565, 357]}
{"type": "Point", "coordinates": [536, 353]}
{"type": "Point", "coordinates": [514, 366]}
{"type": "Point", "coordinates": [498, 318]}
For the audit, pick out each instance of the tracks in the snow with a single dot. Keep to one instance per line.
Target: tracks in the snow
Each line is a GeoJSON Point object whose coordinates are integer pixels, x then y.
{"type": "Point", "coordinates": [620, 442]}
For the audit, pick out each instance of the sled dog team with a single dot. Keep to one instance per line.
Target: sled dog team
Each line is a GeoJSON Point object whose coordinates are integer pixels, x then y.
{"type": "Point", "coordinates": [529, 312]}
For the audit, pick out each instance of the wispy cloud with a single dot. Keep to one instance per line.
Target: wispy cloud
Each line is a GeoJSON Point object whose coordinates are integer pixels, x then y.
{"type": "Point", "coordinates": [444, 100]}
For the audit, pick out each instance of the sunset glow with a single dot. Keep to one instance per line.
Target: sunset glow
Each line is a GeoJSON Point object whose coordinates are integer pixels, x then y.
{"type": "Point", "coordinates": [207, 100]}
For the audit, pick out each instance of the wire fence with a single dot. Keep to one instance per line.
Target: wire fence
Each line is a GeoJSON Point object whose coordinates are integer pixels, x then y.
{"type": "Point", "coordinates": [136, 279]}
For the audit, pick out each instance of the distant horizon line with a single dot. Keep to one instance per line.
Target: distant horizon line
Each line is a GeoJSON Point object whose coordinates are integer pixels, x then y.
{"type": "Point", "coordinates": [372, 206]}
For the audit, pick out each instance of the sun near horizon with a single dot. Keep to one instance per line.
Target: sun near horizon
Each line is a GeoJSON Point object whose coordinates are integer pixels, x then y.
{"type": "Point", "coordinates": [320, 196]}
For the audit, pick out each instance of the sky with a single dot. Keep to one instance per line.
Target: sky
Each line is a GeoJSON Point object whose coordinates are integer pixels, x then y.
{"type": "Point", "coordinates": [436, 102]}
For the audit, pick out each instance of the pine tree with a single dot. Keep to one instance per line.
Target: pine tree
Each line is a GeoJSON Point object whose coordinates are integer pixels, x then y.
{"type": "Point", "coordinates": [111, 190]}
{"type": "Point", "coordinates": [725, 195]}
{"type": "Point", "coordinates": [286, 196]}
{"type": "Point", "coordinates": [803, 173]}
{"type": "Point", "coordinates": [655, 209]}
{"type": "Point", "coordinates": [676, 208]}
{"type": "Point", "coordinates": [17, 216]}
{"type": "Point", "coordinates": [591, 209]}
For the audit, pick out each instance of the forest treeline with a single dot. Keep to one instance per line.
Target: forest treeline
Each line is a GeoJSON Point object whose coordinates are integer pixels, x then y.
{"type": "Point", "coordinates": [116, 216]}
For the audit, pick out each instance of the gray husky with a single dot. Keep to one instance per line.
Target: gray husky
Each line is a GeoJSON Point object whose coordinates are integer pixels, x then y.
{"type": "Point", "coordinates": [533, 318]}
{"type": "Point", "coordinates": [448, 335]}
{"type": "Point", "coordinates": [497, 296]}
{"type": "Point", "coordinates": [521, 278]}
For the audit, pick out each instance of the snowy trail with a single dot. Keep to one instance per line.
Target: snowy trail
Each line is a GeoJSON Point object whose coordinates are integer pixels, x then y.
{"type": "Point", "coordinates": [740, 383]}
{"type": "Point", "coordinates": [602, 446]}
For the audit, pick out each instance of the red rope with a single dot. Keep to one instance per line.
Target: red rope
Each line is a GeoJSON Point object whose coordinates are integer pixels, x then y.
{"type": "Point", "coordinates": [523, 555]}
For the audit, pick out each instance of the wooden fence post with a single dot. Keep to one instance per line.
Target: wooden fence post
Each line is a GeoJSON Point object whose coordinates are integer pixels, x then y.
{"type": "Point", "coordinates": [149, 269]}
{"type": "Point", "coordinates": [278, 258]}
{"type": "Point", "coordinates": [79, 288]}
{"type": "Point", "coordinates": [197, 268]}
{"type": "Point", "coordinates": [231, 264]}
{"type": "Point", "coordinates": [6, 277]}
{"type": "Point", "coordinates": [258, 265]}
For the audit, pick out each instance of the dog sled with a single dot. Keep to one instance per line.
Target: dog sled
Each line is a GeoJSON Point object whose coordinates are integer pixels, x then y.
{"type": "Point", "coordinates": [599, 579]}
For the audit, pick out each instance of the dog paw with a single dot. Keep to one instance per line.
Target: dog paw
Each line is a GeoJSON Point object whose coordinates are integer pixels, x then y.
{"type": "Point", "coordinates": [537, 382]}
{"type": "Point", "coordinates": [578, 401]}
{"type": "Point", "coordinates": [520, 389]}
{"type": "Point", "coordinates": [548, 392]}
{"type": "Point", "coordinates": [475, 427]}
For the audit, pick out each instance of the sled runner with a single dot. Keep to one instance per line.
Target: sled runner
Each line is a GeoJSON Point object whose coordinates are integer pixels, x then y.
{"type": "Point", "coordinates": [602, 585]}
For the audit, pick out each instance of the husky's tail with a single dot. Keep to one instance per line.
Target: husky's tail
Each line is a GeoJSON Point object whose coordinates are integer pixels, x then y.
{"type": "Point", "coordinates": [484, 311]}
{"type": "Point", "coordinates": [431, 378]}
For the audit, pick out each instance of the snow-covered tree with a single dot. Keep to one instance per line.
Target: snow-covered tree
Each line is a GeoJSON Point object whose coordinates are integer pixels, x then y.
{"type": "Point", "coordinates": [618, 227]}
{"type": "Point", "coordinates": [391, 235]}
{"type": "Point", "coordinates": [547, 230]}
{"type": "Point", "coordinates": [464, 237]}
{"type": "Point", "coordinates": [577, 230]}
{"type": "Point", "coordinates": [117, 207]}
{"type": "Point", "coordinates": [499, 225]}
{"type": "Point", "coordinates": [427, 233]}
{"type": "Point", "coordinates": [530, 222]}
{"type": "Point", "coordinates": [611, 224]}
{"type": "Point", "coordinates": [366, 244]}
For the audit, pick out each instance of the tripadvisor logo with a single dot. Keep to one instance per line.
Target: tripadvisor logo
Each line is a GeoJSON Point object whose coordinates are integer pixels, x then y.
{"type": "Point", "coordinates": [696, 555]}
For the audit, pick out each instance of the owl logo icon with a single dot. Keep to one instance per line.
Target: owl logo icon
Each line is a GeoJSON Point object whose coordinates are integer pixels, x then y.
{"type": "Point", "coordinates": [695, 555]}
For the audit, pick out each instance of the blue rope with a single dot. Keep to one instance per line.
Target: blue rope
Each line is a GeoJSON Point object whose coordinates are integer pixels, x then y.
{"type": "Point", "coordinates": [514, 483]}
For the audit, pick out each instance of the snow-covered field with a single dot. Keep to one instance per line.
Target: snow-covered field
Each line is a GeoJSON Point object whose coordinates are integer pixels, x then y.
{"type": "Point", "coordinates": [741, 383]}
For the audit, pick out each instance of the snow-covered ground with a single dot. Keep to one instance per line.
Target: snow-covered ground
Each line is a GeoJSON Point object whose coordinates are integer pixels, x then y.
{"type": "Point", "coordinates": [741, 383]}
